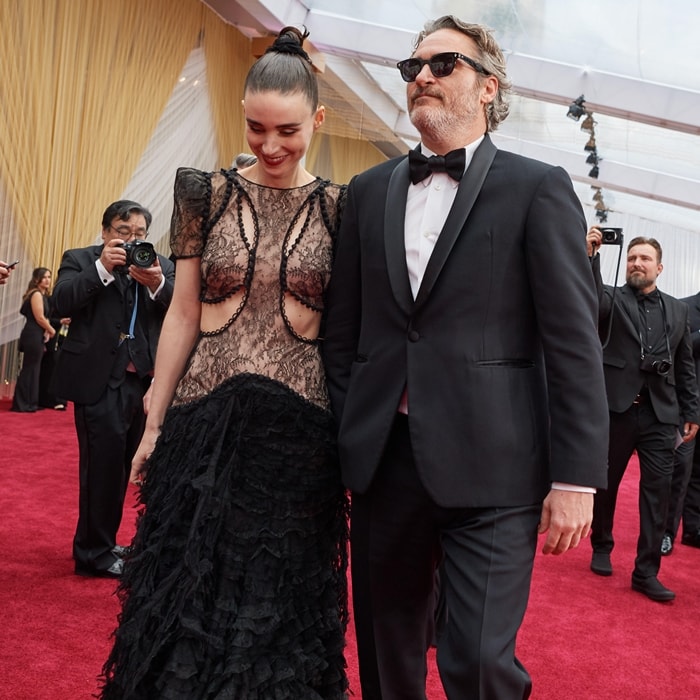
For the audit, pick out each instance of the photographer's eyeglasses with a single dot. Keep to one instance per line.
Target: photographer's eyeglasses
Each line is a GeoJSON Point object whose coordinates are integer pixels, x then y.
{"type": "Point", "coordinates": [127, 232]}
{"type": "Point", "coordinates": [441, 65]}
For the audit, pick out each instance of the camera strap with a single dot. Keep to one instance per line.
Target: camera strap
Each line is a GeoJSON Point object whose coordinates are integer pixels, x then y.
{"type": "Point", "coordinates": [132, 323]}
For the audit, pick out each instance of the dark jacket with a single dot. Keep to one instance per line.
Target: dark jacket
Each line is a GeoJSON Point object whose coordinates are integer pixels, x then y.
{"type": "Point", "coordinates": [674, 397]}
{"type": "Point", "coordinates": [499, 350]}
{"type": "Point", "coordinates": [98, 317]}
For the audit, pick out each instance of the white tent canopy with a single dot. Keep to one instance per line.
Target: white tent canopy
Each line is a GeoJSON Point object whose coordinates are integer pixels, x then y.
{"type": "Point", "coordinates": [635, 62]}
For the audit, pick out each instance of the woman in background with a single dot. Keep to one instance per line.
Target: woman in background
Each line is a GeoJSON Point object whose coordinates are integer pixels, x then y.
{"type": "Point", "coordinates": [235, 586]}
{"type": "Point", "coordinates": [36, 332]}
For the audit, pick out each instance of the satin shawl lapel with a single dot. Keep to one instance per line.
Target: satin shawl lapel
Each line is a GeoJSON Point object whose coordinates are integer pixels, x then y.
{"type": "Point", "coordinates": [467, 192]}
{"type": "Point", "coordinates": [394, 245]}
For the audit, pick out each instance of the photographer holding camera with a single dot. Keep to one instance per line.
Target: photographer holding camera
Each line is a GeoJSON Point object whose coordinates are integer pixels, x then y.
{"type": "Point", "coordinates": [116, 295]}
{"type": "Point", "coordinates": [652, 396]}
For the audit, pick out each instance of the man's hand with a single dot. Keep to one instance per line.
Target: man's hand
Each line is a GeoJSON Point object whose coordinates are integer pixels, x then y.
{"type": "Point", "coordinates": [4, 272]}
{"type": "Point", "coordinates": [594, 239]}
{"type": "Point", "coordinates": [566, 518]}
{"type": "Point", "coordinates": [113, 255]}
{"type": "Point", "coordinates": [148, 276]}
{"type": "Point", "coordinates": [689, 431]}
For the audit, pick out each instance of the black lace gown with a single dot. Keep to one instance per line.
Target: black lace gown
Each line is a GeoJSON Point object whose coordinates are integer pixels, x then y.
{"type": "Point", "coordinates": [236, 585]}
{"type": "Point", "coordinates": [31, 344]}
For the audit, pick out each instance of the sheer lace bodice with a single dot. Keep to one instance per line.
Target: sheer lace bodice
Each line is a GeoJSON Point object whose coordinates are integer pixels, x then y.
{"type": "Point", "coordinates": [266, 258]}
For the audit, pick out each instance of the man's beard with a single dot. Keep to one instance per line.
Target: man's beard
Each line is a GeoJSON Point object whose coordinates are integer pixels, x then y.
{"type": "Point", "coordinates": [441, 121]}
{"type": "Point", "coordinates": [638, 280]}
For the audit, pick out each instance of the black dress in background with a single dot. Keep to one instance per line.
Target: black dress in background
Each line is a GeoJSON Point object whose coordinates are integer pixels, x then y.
{"type": "Point", "coordinates": [31, 344]}
{"type": "Point", "coordinates": [47, 393]}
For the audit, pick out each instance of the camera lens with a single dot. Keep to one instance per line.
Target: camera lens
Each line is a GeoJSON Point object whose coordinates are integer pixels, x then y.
{"type": "Point", "coordinates": [143, 257]}
{"type": "Point", "coordinates": [662, 367]}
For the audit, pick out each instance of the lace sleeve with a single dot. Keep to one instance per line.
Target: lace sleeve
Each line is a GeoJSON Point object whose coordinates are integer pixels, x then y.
{"type": "Point", "coordinates": [190, 213]}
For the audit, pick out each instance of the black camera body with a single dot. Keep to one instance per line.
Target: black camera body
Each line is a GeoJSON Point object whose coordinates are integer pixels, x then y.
{"type": "Point", "coordinates": [139, 253]}
{"type": "Point", "coordinates": [611, 236]}
{"type": "Point", "coordinates": [655, 365]}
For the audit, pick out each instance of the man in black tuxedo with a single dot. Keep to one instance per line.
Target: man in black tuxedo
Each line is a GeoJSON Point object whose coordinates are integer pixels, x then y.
{"type": "Point", "coordinates": [465, 371]}
{"type": "Point", "coordinates": [652, 393]}
{"type": "Point", "coordinates": [685, 485]}
{"type": "Point", "coordinates": [105, 366]}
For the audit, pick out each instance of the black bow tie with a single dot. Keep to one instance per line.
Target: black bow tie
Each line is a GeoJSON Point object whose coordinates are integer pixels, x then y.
{"type": "Point", "coordinates": [420, 166]}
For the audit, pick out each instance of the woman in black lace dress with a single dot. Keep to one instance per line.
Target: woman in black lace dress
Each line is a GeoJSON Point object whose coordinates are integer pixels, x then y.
{"type": "Point", "coordinates": [37, 330]}
{"type": "Point", "coordinates": [235, 586]}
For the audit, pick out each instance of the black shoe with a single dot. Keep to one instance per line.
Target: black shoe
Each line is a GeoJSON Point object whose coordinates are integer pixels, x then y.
{"type": "Point", "coordinates": [666, 545]}
{"type": "Point", "coordinates": [114, 571]}
{"type": "Point", "coordinates": [119, 550]}
{"type": "Point", "coordinates": [653, 589]}
{"type": "Point", "coordinates": [600, 564]}
{"type": "Point", "coordinates": [692, 539]}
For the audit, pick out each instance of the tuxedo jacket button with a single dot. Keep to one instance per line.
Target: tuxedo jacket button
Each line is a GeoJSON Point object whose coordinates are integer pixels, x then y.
{"type": "Point", "coordinates": [414, 336]}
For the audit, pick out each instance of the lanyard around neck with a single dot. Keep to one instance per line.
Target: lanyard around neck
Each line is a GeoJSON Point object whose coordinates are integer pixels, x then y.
{"type": "Point", "coordinates": [132, 322]}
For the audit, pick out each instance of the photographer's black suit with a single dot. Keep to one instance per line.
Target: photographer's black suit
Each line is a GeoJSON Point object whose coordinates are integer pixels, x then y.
{"type": "Point", "coordinates": [92, 372]}
{"type": "Point", "coordinates": [647, 408]}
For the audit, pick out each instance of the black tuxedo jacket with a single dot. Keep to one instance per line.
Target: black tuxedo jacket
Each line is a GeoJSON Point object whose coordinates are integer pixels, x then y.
{"type": "Point", "coordinates": [499, 351]}
{"type": "Point", "coordinates": [98, 316]}
{"type": "Point", "coordinates": [693, 303]}
{"type": "Point", "coordinates": [674, 397]}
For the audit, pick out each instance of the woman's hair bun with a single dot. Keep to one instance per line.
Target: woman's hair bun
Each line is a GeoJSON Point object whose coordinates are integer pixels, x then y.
{"type": "Point", "coordinates": [289, 41]}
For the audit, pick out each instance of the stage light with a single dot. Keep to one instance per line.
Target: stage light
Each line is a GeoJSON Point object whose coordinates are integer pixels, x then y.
{"type": "Point", "coordinates": [597, 195]}
{"type": "Point", "coordinates": [576, 109]}
{"type": "Point", "coordinates": [588, 124]}
{"type": "Point", "coordinates": [602, 215]}
{"type": "Point", "coordinates": [590, 146]}
{"type": "Point", "coordinates": [600, 206]}
{"type": "Point", "coordinates": [592, 158]}
{"type": "Point", "coordinates": [593, 172]}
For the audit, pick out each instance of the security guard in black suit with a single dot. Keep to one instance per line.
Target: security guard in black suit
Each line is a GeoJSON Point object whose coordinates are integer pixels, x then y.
{"type": "Point", "coordinates": [105, 366]}
{"type": "Point", "coordinates": [652, 394]}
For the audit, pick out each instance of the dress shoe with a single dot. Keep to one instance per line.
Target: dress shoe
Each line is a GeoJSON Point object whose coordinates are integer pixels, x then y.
{"type": "Point", "coordinates": [692, 539]}
{"type": "Point", "coordinates": [653, 589]}
{"type": "Point", "coordinates": [119, 550]}
{"type": "Point", "coordinates": [666, 545]}
{"type": "Point", "coordinates": [114, 571]}
{"type": "Point", "coordinates": [600, 564]}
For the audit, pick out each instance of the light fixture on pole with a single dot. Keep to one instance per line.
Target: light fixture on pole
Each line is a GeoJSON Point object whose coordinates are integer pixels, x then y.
{"type": "Point", "coordinates": [588, 124]}
{"type": "Point", "coordinates": [576, 109]}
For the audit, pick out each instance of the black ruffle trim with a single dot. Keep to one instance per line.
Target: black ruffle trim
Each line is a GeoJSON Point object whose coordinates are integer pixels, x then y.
{"type": "Point", "coordinates": [236, 584]}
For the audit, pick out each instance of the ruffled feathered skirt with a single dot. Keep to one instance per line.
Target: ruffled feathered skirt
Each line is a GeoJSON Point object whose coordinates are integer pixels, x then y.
{"type": "Point", "coordinates": [236, 583]}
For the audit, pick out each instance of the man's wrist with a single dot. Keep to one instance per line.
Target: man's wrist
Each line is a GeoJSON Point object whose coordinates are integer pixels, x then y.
{"type": "Point", "coordinates": [561, 486]}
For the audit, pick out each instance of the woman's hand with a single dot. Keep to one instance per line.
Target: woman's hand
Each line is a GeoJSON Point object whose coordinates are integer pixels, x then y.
{"type": "Point", "coordinates": [145, 448]}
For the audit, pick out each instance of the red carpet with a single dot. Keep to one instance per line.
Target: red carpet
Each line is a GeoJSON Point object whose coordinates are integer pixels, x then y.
{"type": "Point", "coordinates": [584, 637]}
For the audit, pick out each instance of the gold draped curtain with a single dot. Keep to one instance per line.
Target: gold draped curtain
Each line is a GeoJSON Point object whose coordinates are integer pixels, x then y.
{"type": "Point", "coordinates": [83, 84]}
{"type": "Point", "coordinates": [338, 158]}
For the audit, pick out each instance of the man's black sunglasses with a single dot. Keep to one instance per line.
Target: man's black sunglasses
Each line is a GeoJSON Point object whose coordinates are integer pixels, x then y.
{"type": "Point", "coordinates": [441, 65]}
